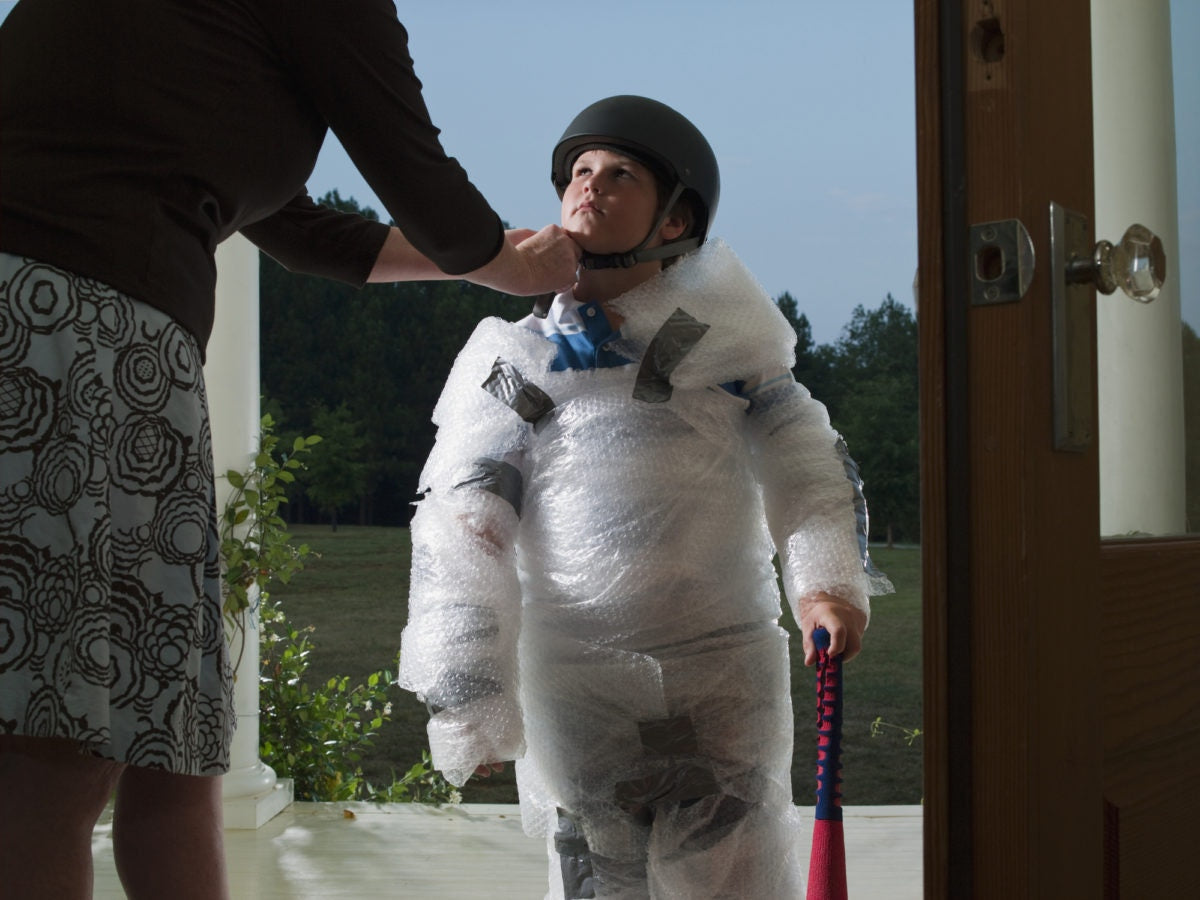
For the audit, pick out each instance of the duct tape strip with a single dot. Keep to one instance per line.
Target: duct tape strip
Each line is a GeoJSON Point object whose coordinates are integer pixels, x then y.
{"type": "Point", "coordinates": [575, 857]}
{"type": "Point", "coordinates": [684, 782]}
{"type": "Point", "coordinates": [674, 736]}
{"type": "Point", "coordinates": [860, 507]}
{"type": "Point", "coordinates": [497, 477]}
{"type": "Point", "coordinates": [674, 340]}
{"type": "Point", "coordinates": [511, 388]}
{"type": "Point", "coordinates": [455, 688]}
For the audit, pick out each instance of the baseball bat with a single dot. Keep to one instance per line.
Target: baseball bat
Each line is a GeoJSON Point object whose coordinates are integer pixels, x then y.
{"type": "Point", "coordinates": [827, 861]}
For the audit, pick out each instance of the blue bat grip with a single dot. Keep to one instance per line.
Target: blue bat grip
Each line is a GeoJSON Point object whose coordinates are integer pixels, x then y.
{"type": "Point", "coordinates": [829, 730]}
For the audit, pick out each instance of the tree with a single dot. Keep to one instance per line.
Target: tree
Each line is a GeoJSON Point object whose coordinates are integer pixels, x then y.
{"type": "Point", "coordinates": [364, 368]}
{"type": "Point", "coordinates": [873, 404]}
{"type": "Point", "coordinates": [383, 351]}
{"type": "Point", "coordinates": [868, 382]}
{"type": "Point", "coordinates": [335, 475]}
{"type": "Point", "coordinates": [814, 362]}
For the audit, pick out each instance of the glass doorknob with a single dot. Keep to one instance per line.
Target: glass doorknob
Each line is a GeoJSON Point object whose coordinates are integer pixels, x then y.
{"type": "Point", "coordinates": [1137, 265]}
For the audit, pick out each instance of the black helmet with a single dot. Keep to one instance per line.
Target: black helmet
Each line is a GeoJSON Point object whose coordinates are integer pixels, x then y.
{"type": "Point", "coordinates": [657, 135]}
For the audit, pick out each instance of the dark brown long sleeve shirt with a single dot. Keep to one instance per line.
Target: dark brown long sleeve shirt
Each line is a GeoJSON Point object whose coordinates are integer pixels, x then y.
{"type": "Point", "coordinates": [136, 135]}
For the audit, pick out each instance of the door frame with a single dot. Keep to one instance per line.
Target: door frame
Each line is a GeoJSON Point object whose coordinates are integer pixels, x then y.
{"type": "Point", "coordinates": [1010, 529]}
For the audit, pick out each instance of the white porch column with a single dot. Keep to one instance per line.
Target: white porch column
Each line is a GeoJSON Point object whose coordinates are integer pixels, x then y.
{"type": "Point", "coordinates": [1140, 355]}
{"type": "Point", "coordinates": [251, 791]}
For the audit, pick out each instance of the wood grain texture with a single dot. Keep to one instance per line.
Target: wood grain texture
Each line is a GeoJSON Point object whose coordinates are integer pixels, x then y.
{"type": "Point", "coordinates": [1151, 713]}
{"type": "Point", "coordinates": [940, 821]}
{"type": "Point", "coordinates": [1036, 821]}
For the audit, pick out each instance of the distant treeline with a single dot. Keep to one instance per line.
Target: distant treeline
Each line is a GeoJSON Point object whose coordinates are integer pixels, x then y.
{"type": "Point", "coordinates": [363, 369]}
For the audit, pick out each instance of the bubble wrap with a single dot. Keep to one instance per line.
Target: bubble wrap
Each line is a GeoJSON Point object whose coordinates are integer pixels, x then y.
{"type": "Point", "coordinates": [606, 612]}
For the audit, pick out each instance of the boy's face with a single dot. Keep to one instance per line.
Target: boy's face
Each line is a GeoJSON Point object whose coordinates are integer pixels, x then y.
{"type": "Point", "coordinates": [611, 203]}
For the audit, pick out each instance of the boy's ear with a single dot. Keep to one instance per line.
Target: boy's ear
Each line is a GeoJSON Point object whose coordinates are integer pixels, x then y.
{"type": "Point", "coordinates": [672, 228]}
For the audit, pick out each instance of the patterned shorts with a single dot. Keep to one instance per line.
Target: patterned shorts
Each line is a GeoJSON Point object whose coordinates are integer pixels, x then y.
{"type": "Point", "coordinates": [111, 631]}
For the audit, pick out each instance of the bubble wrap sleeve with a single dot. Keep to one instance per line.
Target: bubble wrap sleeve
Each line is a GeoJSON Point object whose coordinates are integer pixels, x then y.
{"type": "Point", "coordinates": [459, 648]}
{"type": "Point", "coordinates": [811, 494]}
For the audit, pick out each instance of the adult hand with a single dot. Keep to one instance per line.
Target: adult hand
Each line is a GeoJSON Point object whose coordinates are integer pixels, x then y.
{"type": "Point", "coordinates": [517, 235]}
{"type": "Point", "coordinates": [845, 624]}
{"type": "Point", "coordinates": [487, 769]}
{"type": "Point", "coordinates": [531, 263]}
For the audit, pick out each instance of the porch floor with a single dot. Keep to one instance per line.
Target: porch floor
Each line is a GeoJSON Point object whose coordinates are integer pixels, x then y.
{"type": "Point", "coordinates": [364, 851]}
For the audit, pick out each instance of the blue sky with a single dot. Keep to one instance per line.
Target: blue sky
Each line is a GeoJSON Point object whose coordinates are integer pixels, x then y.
{"type": "Point", "coordinates": [810, 110]}
{"type": "Point", "coordinates": [816, 201]}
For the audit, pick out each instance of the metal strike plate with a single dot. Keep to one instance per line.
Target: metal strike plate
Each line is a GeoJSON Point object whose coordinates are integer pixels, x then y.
{"type": "Point", "coordinates": [1074, 341]}
{"type": "Point", "coordinates": [1002, 262]}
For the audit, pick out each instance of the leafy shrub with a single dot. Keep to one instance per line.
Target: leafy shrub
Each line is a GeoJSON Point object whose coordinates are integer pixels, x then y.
{"type": "Point", "coordinates": [313, 735]}
{"type": "Point", "coordinates": [317, 736]}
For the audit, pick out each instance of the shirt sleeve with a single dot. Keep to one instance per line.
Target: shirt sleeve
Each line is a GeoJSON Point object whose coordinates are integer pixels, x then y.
{"type": "Point", "coordinates": [353, 61]}
{"type": "Point", "coordinates": [317, 240]}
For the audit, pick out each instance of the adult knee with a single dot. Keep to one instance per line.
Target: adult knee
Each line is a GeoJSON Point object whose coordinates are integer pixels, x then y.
{"type": "Point", "coordinates": [58, 775]}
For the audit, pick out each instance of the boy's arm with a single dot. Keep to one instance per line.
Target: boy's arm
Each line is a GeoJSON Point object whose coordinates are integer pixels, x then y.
{"type": "Point", "coordinates": [459, 649]}
{"type": "Point", "coordinates": [812, 508]}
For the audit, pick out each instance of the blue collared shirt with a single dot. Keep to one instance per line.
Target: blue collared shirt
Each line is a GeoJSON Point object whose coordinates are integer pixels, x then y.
{"type": "Point", "coordinates": [581, 332]}
{"type": "Point", "coordinates": [583, 335]}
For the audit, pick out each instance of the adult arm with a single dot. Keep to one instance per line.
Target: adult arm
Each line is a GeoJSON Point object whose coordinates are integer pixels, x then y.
{"type": "Point", "coordinates": [307, 237]}
{"type": "Point", "coordinates": [352, 62]}
{"type": "Point", "coordinates": [529, 263]}
{"type": "Point", "coordinates": [351, 59]}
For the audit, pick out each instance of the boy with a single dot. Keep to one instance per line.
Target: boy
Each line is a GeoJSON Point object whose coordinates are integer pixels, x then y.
{"type": "Point", "coordinates": [592, 589]}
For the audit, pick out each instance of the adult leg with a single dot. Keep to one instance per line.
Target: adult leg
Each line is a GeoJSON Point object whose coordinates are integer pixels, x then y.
{"type": "Point", "coordinates": [52, 793]}
{"type": "Point", "coordinates": [167, 836]}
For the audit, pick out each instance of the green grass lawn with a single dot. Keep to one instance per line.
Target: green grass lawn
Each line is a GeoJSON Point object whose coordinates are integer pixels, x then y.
{"type": "Point", "coordinates": [356, 598]}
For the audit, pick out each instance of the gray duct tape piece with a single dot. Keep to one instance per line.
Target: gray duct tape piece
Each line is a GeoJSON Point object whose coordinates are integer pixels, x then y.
{"type": "Point", "coordinates": [511, 388]}
{"type": "Point", "coordinates": [674, 736]}
{"type": "Point", "coordinates": [496, 477]}
{"type": "Point", "coordinates": [684, 782]}
{"type": "Point", "coordinates": [860, 506]}
{"type": "Point", "coordinates": [456, 688]}
{"type": "Point", "coordinates": [575, 858]}
{"type": "Point", "coordinates": [675, 339]}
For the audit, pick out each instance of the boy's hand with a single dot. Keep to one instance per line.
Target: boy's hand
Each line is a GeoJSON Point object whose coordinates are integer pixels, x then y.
{"type": "Point", "coordinates": [487, 769]}
{"type": "Point", "coordinates": [845, 624]}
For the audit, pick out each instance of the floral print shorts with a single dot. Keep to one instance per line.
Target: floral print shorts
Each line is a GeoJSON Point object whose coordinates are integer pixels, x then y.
{"type": "Point", "coordinates": [111, 631]}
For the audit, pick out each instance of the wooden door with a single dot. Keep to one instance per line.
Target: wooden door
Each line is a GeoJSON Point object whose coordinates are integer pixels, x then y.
{"type": "Point", "coordinates": [1062, 679]}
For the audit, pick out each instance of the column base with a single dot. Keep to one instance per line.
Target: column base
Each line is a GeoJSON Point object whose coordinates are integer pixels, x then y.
{"type": "Point", "coordinates": [253, 811]}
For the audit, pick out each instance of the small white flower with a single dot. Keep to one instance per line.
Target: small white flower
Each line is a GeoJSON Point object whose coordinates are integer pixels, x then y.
{"type": "Point", "coordinates": [367, 706]}
{"type": "Point", "coordinates": [387, 708]}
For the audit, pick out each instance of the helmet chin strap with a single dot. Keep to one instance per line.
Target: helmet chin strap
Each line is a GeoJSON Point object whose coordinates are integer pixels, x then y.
{"type": "Point", "coordinates": [637, 255]}
{"type": "Point", "coordinates": [641, 253]}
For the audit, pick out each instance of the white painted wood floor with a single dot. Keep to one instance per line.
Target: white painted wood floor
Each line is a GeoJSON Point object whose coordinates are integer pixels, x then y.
{"type": "Point", "coordinates": [317, 850]}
